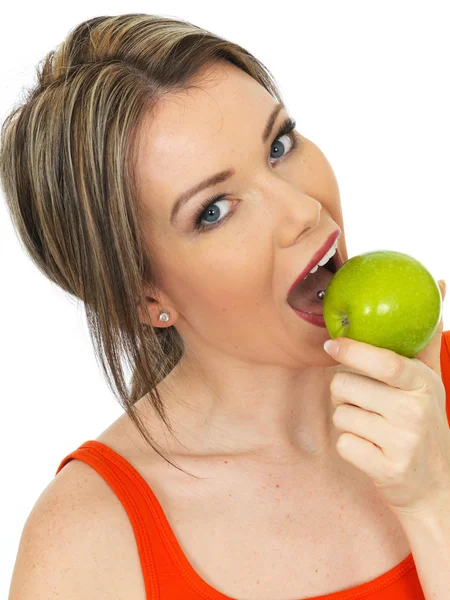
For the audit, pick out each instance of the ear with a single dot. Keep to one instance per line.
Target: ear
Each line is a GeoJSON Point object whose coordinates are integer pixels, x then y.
{"type": "Point", "coordinates": [151, 309]}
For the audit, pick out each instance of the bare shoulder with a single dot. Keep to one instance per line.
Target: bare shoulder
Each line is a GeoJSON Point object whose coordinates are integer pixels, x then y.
{"type": "Point", "coordinates": [77, 542]}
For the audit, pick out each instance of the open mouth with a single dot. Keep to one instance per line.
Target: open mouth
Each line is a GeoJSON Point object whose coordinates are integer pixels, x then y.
{"type": "Point", "coordinates": [306, 296]}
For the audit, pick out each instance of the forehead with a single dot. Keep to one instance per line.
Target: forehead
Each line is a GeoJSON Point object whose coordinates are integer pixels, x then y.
{"type": "Point", "coordinates": [191, 134]}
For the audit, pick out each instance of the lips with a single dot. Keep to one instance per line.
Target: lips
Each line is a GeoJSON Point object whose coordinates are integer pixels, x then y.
{"type": "Point", "coordinates": [317, 256]}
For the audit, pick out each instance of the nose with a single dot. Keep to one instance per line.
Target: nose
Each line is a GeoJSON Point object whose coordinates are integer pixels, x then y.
{"type": "Point", "coordinates": [300, 217]}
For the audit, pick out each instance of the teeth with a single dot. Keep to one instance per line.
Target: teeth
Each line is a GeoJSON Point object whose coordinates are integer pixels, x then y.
{"type": "Point", "coordinates": [331, 252]}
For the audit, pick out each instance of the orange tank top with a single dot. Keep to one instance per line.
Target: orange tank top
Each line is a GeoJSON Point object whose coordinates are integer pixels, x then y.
{"type": "Point", "coordinates": [168, 575]}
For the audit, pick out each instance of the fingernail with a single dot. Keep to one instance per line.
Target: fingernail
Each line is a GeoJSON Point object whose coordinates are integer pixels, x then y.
{"type": "Point", "coordinates": [444, 285]}
{"type": "Point", "coordinates": [331, 347]}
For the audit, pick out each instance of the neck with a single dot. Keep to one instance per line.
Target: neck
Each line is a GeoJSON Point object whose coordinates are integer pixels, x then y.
{"type": "Point", "coordinates": [269, 412]}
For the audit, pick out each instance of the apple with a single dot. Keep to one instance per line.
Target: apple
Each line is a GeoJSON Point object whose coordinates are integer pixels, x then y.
{"type": "Point", "coordinates": [384, 298]}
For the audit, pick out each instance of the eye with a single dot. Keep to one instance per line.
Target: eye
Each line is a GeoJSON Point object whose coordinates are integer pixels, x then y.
{"type": "Point", "coordinates": [286, 130]}
{"type": "Point", "coordinates": [209, 208]}
{"type": "Point", "coordinates": [281, 146]}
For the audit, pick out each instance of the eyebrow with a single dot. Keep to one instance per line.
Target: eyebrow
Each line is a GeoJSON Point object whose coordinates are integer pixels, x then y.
{"type": "Point", "coordinates": [223, 175]}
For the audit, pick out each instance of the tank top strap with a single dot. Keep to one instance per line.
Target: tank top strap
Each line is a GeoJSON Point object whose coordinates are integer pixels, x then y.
{"type": "Point", "coordinates": [166, 569]}
{"type": "Point", "coordinates": [139, 502]}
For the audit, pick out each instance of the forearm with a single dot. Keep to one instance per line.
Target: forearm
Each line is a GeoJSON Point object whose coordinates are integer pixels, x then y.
{"type": "Point", "coordinates": [429, 539]}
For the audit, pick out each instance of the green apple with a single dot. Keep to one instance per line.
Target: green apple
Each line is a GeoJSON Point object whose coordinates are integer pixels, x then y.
{"type": "Point", "coordinates": [384, 298]}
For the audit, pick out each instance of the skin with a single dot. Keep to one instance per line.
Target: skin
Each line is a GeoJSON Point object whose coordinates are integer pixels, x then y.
{"type": "Point", "coordinates": [255, 378]}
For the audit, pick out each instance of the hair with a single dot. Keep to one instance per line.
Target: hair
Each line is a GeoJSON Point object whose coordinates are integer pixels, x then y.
{"type": "Point", "coordinates": [67, 167]}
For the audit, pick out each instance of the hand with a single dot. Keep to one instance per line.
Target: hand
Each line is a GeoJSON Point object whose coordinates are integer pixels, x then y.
{"type": "Point", "coordinates": [394, 422]}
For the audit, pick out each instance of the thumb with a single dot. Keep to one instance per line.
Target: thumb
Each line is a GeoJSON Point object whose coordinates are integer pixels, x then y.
{"type": "Point", "coordinates": [431, 354]}
{"type": "Point", "coordinates": [443, 288]}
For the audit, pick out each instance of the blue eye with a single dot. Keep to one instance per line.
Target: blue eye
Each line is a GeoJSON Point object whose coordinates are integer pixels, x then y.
{"type": "Point", "coordinates": [291, 137]}
{"type": "Point", "coordinates": [210, 204]}
{"type": "Point", "coordinates": [286, 129]}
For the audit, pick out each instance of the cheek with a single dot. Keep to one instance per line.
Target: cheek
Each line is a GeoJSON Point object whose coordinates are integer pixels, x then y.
{"type": "Point", "coordinates": [226, 277]}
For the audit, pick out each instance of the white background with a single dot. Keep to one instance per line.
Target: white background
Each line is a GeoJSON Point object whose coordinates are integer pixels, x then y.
{"type": "Point", "coordinates": [366, 81]}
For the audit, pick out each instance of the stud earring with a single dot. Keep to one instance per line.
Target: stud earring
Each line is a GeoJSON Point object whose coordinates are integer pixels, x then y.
{"type": "Point", "coordinates": [164, 317]}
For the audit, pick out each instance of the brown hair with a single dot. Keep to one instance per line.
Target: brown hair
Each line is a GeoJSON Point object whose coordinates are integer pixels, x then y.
{"type": "Point", "coordinates": [66, 167]}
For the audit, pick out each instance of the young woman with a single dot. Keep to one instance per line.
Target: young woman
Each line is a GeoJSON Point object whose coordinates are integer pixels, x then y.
{"type": "Point", "coordinates": [155, 173]}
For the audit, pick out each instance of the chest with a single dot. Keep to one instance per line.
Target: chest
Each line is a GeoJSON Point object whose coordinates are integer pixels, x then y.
{"type": "Point", "coordinates": [279, 539]}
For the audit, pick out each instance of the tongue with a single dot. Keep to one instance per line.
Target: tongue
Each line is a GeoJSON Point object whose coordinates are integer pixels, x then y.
{"type": "Point", "coordinates": [304, 296]}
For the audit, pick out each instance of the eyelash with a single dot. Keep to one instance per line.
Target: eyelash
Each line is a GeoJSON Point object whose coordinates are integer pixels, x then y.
{"type": "Point", "coordinates": [286, 128]}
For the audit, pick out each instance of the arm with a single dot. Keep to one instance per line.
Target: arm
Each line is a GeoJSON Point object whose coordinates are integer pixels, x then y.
{"type": "Point", "coordinates": [72, 543]}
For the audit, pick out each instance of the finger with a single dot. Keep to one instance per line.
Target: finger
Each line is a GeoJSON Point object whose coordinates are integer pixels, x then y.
{"type": "Point", "coordinates": [380, 363]}
{"type": "Point", "coordinates": [353, 389]}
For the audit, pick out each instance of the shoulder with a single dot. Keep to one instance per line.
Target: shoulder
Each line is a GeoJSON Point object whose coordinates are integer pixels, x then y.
{"type": "Point", "coordinates": [77, 542]}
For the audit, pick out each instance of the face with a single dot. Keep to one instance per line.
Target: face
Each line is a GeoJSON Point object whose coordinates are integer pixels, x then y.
{"type": "Point", "coordinates": [227, 265]}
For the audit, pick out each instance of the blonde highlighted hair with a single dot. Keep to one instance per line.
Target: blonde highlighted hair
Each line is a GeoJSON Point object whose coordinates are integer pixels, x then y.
{"type": "Point", "coordinates": [67, 161]}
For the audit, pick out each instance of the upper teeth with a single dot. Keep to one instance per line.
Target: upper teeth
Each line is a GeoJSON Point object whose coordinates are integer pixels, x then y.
{"type": "Point", "coordinates": [331, 252]}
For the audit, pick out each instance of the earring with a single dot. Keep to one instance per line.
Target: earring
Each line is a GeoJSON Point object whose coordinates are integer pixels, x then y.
{"type": "Point", "coordinates": [164, 317]}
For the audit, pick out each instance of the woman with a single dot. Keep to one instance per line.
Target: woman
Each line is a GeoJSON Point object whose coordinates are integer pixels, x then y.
{"type": "Point", "coordinates": [222, 477]}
